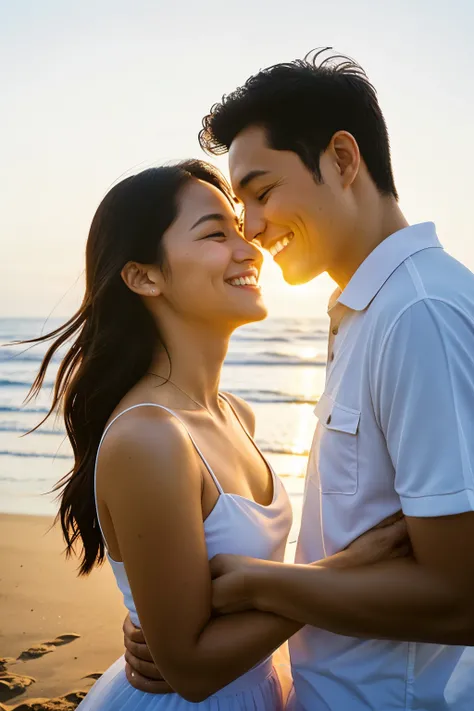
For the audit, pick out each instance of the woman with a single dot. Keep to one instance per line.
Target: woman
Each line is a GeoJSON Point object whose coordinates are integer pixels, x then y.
{"type": "Point", "coordinates": [166, 471]}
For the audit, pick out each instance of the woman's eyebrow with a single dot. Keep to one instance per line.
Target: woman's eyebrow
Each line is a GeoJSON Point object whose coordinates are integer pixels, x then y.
{"type": "Point", "coordinates": [210, 216]}
{"type": "Point", "coordinates": [213, 216]}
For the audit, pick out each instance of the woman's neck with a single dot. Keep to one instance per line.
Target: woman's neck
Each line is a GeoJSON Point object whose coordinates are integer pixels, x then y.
{"type": "Point", "coordinates": [196, 355]}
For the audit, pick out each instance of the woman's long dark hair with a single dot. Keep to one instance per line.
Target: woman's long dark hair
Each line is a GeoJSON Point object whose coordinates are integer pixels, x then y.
{"type": "Point", "coordinates": [115, 336]}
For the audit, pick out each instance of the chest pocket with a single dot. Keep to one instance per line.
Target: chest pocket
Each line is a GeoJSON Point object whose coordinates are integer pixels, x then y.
{"type": "Point", "coordinates": [335, 448]}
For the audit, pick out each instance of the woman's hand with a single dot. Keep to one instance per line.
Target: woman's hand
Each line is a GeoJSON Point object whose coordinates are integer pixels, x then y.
{"type": "Point", "coordinates": [140, 668]}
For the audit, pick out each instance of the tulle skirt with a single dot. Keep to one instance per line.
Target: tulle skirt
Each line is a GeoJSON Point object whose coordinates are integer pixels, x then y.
{"type": "Point", "coordinates": [258, 690]}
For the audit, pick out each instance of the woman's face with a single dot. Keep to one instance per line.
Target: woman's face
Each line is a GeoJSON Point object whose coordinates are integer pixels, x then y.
{"type": "Point", "coordinates": [212, 271]}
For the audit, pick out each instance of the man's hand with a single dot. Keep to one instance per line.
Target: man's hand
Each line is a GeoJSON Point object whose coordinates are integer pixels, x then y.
{"type": "Point", "coordinates": [231, 587]}
{"type": "Point", "coordinates": [388, 540]}
{"type": "Point", "coordinates": [140, 668]}
{"type": "Point", "coordinates": [229, 590]}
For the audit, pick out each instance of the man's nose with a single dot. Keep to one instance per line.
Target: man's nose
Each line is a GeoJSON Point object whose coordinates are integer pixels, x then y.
{"type": "Point", "coordinates": [254, 224]}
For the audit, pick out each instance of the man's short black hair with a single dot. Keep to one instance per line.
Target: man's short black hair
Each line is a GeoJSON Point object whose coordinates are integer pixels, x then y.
{"type": "Point", "coordinates": [301, 105]}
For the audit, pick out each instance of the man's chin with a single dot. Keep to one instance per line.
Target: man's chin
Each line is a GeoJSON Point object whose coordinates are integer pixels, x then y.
{"type": "Point", "coordinates": [296, 275]}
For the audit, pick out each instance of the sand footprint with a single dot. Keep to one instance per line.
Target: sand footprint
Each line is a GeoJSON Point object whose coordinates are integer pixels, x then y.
{"type": "Point", "coordinates": [4, 662]}
{"type": "Point", "coordinates": [94, 675]}
{"type": "Point", "coordinates": [12, 685]}
{"type": "Point", "coordinates": [47, 647]}
{"type": "Point", "coordinates": [68, 702]}
{"type": "Point", "coordinates": [61, 703]}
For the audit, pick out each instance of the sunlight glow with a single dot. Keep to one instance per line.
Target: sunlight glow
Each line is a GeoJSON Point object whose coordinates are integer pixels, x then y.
{"type": "Point", "coordinates": [308, 353]}
{"type": "Point", "coordinates": [305, 431]}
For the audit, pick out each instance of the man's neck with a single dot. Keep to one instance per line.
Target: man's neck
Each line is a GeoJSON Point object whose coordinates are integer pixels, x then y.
{"type": "Point", "coordinates": [375, 226]}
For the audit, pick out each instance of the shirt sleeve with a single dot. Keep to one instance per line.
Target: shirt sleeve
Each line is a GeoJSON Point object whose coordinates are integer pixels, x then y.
{"type": "Point", "coordinates": [424, 400]}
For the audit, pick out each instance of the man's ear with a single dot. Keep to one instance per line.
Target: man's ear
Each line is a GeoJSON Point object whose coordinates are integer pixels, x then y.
{"type": "Point", "coordinates": [345, 152]}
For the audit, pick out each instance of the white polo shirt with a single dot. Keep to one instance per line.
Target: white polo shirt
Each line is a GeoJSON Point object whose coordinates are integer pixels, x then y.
{"type": "Point", "coordinates": [395, 430]}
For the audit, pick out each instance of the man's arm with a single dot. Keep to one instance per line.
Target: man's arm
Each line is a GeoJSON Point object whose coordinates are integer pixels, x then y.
{"type": "Point", "coordinates": [426, 599]}
{"type": "Point", "coordinates": [386, 541]}
{"type": "Point", "coordinates": [423, 394]}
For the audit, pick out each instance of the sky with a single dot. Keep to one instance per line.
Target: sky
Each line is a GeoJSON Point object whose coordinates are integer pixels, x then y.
{"type": "Point", "coordinates": [92, 91]}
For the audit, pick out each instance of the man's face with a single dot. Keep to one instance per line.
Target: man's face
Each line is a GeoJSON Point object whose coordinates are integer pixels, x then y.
{"type": "Point", "coordinates": [304, 224]}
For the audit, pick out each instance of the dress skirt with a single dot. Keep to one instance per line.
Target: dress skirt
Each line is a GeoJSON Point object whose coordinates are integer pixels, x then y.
{"type": "Point", "coordinates": [257, 690]}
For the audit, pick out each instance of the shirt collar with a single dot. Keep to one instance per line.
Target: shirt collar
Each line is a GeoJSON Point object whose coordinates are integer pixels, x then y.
{"type": "Point", "coordinates": [382, 262]}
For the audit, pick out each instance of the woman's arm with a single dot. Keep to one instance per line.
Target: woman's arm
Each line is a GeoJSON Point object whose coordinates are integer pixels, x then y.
{"type": "Point", "coordinates": [386, 541]}
{"type": "Point", "coordinates": [151, 481]}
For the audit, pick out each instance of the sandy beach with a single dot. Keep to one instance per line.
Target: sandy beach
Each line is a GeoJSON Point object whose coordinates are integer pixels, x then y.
{"type": "Point", "coordinates": [57, 631]}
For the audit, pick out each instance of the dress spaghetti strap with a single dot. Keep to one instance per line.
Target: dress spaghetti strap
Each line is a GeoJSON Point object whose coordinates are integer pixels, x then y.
{"type": "Point", "coordinates": [275, 480]}
{"type": "Point", "coordinates": [171, 412]}
{"type": "Point", "coordinates": [239, 420]}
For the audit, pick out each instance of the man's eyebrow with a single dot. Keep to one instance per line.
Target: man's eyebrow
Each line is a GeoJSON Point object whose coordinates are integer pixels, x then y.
{"type": "Point", "coordinates": [251, 176]}
{"type": "Point", "coordinates": [212, 216]}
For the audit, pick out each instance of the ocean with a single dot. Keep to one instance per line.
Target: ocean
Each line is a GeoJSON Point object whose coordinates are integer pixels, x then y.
{"type": "Point", "coordinates": [277, 365]}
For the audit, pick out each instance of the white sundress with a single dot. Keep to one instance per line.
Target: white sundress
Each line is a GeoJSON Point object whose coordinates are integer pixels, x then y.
{"type": "Point", "coordinates": [236, 525]}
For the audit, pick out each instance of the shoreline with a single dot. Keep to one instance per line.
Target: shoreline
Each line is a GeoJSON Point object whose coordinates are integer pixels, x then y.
{"type": "Point", "coordinates": [56, 629]}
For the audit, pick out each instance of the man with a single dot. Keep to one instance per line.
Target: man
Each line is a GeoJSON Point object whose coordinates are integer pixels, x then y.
{"type": "Point", "coordinates": [309, 160]}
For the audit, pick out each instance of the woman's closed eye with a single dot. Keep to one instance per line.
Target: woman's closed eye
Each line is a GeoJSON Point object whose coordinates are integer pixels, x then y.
{"type": "Point", "coordinates": [214, 235]}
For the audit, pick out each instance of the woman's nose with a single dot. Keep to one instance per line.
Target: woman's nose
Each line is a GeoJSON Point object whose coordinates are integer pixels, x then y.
{"type": "Point", "coordinates": [247, 252]}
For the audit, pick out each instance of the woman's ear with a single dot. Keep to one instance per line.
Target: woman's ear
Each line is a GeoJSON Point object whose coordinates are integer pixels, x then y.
{"type": "Point", "coordinates": [141, 279]}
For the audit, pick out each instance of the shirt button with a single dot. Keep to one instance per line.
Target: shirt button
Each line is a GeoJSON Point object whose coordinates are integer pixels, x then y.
{"type": "Point", "coordinates": [328, 421]}
{"type": "Point", "coordinates": [331, 357]}
{"type": "Point", "coordinates": [335, 331]}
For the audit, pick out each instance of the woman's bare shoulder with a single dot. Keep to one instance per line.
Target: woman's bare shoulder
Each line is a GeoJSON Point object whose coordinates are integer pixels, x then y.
{"type": "Point", "coordinates": [243, 410]}
{"type": "Point", "coordinates": [150, 439]}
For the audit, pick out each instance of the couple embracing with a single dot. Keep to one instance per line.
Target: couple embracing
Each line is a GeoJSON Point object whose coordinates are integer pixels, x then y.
{"type": "Point", "coordinates": [168, 482]}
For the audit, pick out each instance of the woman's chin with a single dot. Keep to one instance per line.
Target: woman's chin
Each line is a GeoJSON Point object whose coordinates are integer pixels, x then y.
{"type": "Point", "coordinates": [263, 313]}
{"type": "Point", "coordinates": [235, 318]}
{"type": "Point", "coordinates": [259, 313]}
